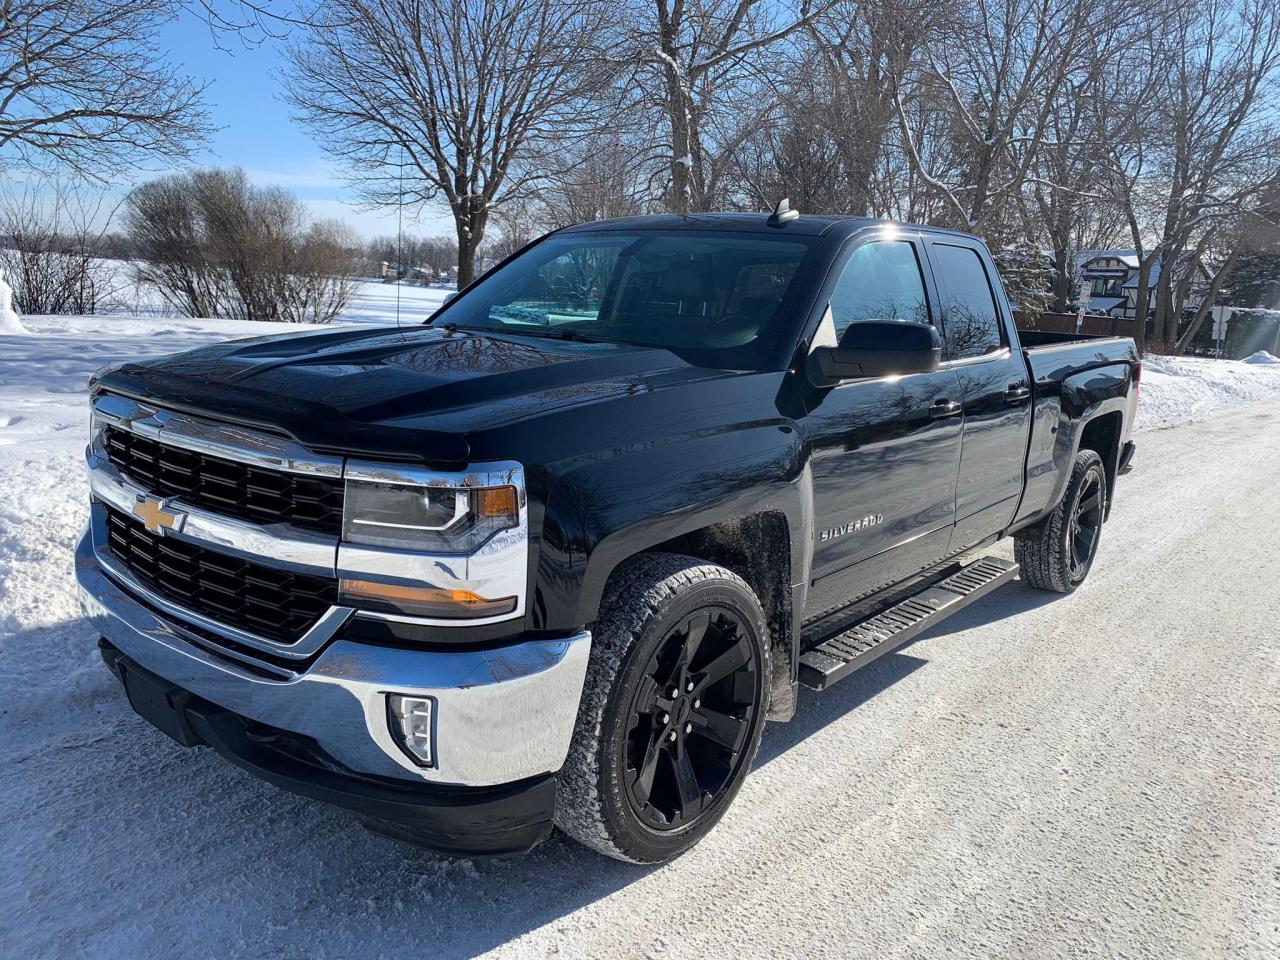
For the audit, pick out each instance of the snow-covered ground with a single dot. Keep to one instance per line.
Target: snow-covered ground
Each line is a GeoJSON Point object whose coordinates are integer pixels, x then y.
{"type": "Point", "coordinates": [375, 302]}
{"type": "Point", "coordinates": [1179, 389]}
{"type": "Point", "coordinates": [1091, 775]}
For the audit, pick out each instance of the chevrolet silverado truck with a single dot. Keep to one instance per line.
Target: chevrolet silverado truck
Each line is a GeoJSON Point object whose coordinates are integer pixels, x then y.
{"type": "Point", "coordinates": [554, 556]}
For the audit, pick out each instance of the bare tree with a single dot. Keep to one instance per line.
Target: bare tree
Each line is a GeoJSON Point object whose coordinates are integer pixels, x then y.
{"type": "Point", "coordinates": [215, 245]}
{"type": "Point", "coordinates": [1104, 103]}
{"type": "Point", "coordinates": [1220, 145]}
{"type": "Point", "coordinates": [49, 234]}
{"type": "Point", "coordinates": [163, 221]}
{"type": "Point", "coordinates": [862, 50]}
{"type": "Point", "coordinates": [517, 226]}
{"type": "Point", "coordinates": [602, 179]}
{"type": "Point", "coordinates": [465, 100]}
{"type": "Point", "coordinates": [995, 66]}
{"type": "Point", "coordinates": [699, 66]}
{"type": "Point", "coordinates": [318, 281]}
{"type": "Point", "coordinates": [83, 86]}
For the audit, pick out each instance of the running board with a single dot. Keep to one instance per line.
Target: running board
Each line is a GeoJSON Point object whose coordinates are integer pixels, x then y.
{"type": "Point", "coordinates": [837, 657]}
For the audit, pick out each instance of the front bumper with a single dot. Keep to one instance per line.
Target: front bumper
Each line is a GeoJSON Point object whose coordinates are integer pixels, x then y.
{"type": "Point", "coordinates": [507, 819]}
{"type": "Point", "coordinates": [502, 715]}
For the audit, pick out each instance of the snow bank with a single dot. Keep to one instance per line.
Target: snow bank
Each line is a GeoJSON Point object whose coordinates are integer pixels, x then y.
{"type": "Point", "coordinates": [1261, 357]}
{"type": "Point", "coordinates": [1182, 389]}
{"type": "Point", "coordinates": [9, 321]}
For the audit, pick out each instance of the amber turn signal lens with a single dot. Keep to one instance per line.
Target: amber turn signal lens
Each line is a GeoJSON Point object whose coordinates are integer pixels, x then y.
{"type": "Point", "coordinates": [497, 502]}
{"type": "Point", "coordinates": [424, 601]}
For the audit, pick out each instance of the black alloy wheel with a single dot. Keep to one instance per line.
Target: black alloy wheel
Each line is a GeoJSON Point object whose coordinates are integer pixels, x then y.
{"type": "Point", "coordinates": [1058, 552]}
{"type": "Point", "coordinates": [1086, 526]}
{"type": "Point", "coordinates": [691, 717]}
{"type": "Point", "coordinates": [673, 707]}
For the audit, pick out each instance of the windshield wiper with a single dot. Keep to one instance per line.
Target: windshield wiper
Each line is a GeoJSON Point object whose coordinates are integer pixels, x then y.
{"type": "Point", "coordinates": [572, 336]}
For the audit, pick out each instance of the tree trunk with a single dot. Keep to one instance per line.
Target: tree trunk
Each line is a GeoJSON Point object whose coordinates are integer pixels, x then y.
{"type": "Point", "coordinates": [1166, 322]}
{"type": "Point", "coordinates": [1206, 305]}
{"type": "Point", "coordinates": [1141, 301]}
{"type": "Point", "coordinates": [470, 218]}
{"type": "Point", "coordinates": [467, 245]}
{"type": "Point", "coordinates": [1061, 279]}
{"type": "Point", "coordinates": [682, 187]}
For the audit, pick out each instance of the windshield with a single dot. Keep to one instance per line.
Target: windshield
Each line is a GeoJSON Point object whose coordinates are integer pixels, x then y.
{"type": "Point", "coordinates": [712, 297]}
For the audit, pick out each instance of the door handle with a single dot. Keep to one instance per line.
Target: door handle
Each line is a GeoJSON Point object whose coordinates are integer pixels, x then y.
{"type": "Point", "coordinates": [1017, 392]}
{"type": "Point", "coordinates": [944, 408]}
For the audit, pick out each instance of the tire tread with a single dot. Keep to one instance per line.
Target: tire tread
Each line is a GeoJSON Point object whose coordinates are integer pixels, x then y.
{"type": "Point", "coordinates": [637, 593]}
{"type": "Point", "coordinates": [1041, 550]}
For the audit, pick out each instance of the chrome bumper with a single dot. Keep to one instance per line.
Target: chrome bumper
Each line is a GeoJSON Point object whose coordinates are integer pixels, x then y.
{"type": "Point", "coordinates": [501, 715]}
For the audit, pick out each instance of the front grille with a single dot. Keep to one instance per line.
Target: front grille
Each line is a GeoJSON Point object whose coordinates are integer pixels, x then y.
{"type": "Point", "coordinates": [271, 603]}
{"type": "Point", "coordinates": [226, 486]}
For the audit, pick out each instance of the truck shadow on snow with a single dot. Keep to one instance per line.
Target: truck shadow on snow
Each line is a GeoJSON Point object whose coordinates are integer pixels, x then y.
{"type": "Point", "coordinates": [268, 861]}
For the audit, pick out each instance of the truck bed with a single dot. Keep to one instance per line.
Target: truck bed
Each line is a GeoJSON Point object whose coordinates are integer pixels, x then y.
{"type": "Point", "coordinates": [1054, 356]}
{"type": "Point", "coordinates": [1051, 338]}
{"type": "Point", "coordinates": [1074, 377]}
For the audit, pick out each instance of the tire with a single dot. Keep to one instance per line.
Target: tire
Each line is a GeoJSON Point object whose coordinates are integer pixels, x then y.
{"type": "Point", "coordinates": [1057, 553]}
{"type": "Point", "coordinates": [624, 789]}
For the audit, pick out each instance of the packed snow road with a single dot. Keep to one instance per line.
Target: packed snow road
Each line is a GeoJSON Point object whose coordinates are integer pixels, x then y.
{"type": "Point", "coordinates": [1041, 776]}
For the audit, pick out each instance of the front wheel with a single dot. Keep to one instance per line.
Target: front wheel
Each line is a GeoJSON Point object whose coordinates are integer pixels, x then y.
{"type": "Point", "coordinates": [1057, 553]}
{"type": "Point", "coordinates": [672, 710]}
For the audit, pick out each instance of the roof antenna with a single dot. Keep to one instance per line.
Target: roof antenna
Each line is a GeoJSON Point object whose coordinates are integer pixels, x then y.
{"type": "Point", "coordinates": [400, 236]}
{"type": "Point", "coordinates": [783, 214]}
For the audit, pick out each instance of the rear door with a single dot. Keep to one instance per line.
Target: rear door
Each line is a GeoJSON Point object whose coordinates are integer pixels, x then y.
{"type": "Point", "coordinates": [994, 385]}
{"type": "Point", "coordinates": [884, 451]}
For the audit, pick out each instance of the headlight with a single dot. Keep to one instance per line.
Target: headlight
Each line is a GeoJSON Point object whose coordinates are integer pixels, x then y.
{"type": "Point", "coordinates": [439, 546]}
{"type": "Point", "coordinates": [427, 519]}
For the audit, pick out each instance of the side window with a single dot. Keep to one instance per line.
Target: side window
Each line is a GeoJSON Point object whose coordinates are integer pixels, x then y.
{"type": "Point", "coordinates": [881, 281]}
{"type": "Point", "coordinates": [972, 322]}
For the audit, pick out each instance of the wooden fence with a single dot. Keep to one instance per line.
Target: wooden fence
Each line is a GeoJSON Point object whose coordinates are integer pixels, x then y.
{"type": "Point", "coordinates": [1066, 323]}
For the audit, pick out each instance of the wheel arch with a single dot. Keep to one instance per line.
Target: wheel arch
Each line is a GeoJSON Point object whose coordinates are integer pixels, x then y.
{"type": "Point", "coordinates": [757, 547]}
{"type": "Point", "coordinates": [1102, 435]}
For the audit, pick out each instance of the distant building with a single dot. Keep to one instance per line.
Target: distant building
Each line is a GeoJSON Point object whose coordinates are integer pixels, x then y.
{"type": "Point", "coordinates": [1111, 276]}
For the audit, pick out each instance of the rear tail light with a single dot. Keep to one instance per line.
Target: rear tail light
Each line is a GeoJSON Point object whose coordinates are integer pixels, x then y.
{"type": "Point", "coordinates": [1137, 382]}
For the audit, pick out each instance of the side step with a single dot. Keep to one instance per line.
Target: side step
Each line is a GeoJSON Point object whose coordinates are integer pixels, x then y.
{"type": "Point", "coordinates": [837, 657]}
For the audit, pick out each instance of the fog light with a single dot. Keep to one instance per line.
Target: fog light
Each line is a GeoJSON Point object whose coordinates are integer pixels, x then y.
{"type": "Point", "coordinates": [412, 722]}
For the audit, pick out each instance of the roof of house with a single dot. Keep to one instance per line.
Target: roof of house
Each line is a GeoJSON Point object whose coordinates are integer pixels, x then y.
{"type": "Point", "coordinates": [1106, 303]}
{"type": "Point", "coordinates": [1128, 257]}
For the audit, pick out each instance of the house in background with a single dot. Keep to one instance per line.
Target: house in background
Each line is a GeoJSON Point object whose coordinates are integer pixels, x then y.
{"type": "Point", "coordinates": [1111, 277]}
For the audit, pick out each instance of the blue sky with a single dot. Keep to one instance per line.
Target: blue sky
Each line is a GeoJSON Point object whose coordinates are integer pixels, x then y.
{"type": "Point", "coordinates": [256, 132]}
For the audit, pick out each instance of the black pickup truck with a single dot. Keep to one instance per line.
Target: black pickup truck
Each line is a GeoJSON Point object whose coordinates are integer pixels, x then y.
{"type": "Point", "coordinates": [555, 555]}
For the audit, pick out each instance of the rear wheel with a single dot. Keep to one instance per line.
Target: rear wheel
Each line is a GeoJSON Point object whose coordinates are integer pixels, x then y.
{"type": "Point", "coordinates": [672, 711]}
{"type": "Point", "coordinates": [1057, 553]}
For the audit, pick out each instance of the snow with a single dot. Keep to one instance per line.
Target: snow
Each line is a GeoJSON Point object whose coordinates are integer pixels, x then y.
{"type": "Point", "coordinates": [1180, 389]}
{"type": "Point", "coordinates": [374, 301]}
{"type": "Point", "coordinates": [9, 321]}
{"type": "Point", "coordinates": [990, 799]}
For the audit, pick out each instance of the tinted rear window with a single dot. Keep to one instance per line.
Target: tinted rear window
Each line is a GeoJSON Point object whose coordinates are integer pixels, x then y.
{"type": "Point", "coordinates": [971, 322]}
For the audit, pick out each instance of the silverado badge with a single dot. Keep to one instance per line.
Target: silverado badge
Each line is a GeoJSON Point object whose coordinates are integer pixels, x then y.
{"type": "Point", "coordinates": [853, 526]}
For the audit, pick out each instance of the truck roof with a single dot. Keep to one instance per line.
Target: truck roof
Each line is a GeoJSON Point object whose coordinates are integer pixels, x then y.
{"type": "Point", "coordinates": [816, 224]}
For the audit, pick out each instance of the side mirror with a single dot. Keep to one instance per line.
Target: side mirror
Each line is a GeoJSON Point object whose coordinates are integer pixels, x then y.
{"type": "Point", "coordinates": [448, 297]}
{"type": "Point", "coordinates": [877, 348]}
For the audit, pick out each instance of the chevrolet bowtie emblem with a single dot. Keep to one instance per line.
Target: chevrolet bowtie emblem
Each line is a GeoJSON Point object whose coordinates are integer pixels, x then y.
{"type": "Point", "coordinates": [154, 516]}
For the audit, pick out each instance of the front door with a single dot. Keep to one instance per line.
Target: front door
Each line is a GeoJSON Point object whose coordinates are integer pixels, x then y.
{"type": "Point", "coordinates": [884, 451]}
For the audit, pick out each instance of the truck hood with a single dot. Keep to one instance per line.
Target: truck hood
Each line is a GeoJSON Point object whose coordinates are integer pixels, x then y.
{"type": "Point", "coordinates": [414, 393]}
